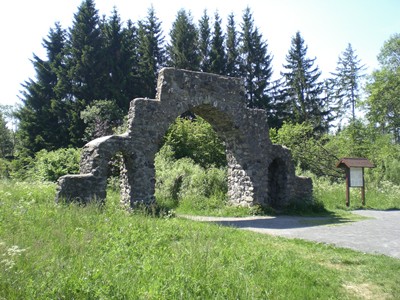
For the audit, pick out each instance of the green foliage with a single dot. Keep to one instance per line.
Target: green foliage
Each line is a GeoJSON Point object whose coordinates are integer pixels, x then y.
{"type": "Point", "coordinates": [46, 165]}
{"type": "Point", "coordinates": [51, 165]}
{"type": "Point", "coordinates": [101, 118]}
{"type": "Point", "coordinates": [383, 90]}
{"type": "Point", "coordinates": [204, 42]}
{"type": "Point", "coordinates": [360, 140]}
{"type": "Point", "coordinates": [383, 195]}
{"type": "Point", "coordinates": [255, 62]}
{"type": "Point", "coordinates": [184, 183]}
{"type": "Point", "coordinates": [6, 142]}
{"type": "Point", "coordinates": [349, 72]}
{"type": "Point", "coordinates": [383, 101]}
{"type": "Point", "coordinates": [320, 154]}
{"type": "Point", "coordinates": [196, 140]}
{"type": "Point", "coordinates": [5, 168]}
{"type": "Point", "coordinates": [308, 152]}
{"type": "Point", "coordinates": [183, 50]}
{"type": "Point", "coordinates": [151, 52]}
{"type": "Point", "coordinates": [304, 91]}
{"type": "Point", "coordinates": [117, 61]}
{"type": "Point", "coordinates": [41, 113]}
{"type": "Point", "coordinates": [53, 251]}
{"type": "Point", "coordinates": [232, 51]}
{"type": "Point", "coordinates": [389, 56]}
{"type": "Point", "coordinates": [217, 52]}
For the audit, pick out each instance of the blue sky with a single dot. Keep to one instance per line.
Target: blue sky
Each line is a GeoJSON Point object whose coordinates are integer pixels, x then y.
{"type": "Point", "coordinates": [327, 27]}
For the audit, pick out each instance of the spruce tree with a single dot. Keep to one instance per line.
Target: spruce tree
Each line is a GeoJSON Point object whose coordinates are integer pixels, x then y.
{"type": "Point", "coordinates": [6, 143]}
{"type": "Point", "coordinates": [232, 52]}
{"type": "Point", "coordinates": [43, 107]}
{"type": "Point", "coordinates": [204, 42]}
{"type": "Point", "coordinates": [151, 53]}
{"type": "Point", "coordinates": [347, 81]}
{"type": "Point", "coordinates": [86, 60]}
{"type": "Point", "coordinates": [86, 66]}
{"type": "Point", "coordinates": [217, 54]}
{"type": "Point", "coordinates": [183, 49]}
{"type": "Point", "coordinates": [130, 48]}
{"type": "Point", "coordinates": [115, 57]}
{"type": "Point", "coordinates": [305, 101]}
{"type": "Point", "coordinates": [255, 63]}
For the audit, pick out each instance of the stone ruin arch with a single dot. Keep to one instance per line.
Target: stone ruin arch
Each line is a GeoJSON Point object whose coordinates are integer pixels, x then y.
{"type": "Point", "coordinates": [259, 172]}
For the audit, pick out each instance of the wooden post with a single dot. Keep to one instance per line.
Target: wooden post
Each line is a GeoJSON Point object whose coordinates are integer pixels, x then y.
{"type": "Point", "coordinates": [363, 189]}
{"type": "Point", "coordinates": [363, 195]}
{"type": "Point", "coordinates": [347, 187]}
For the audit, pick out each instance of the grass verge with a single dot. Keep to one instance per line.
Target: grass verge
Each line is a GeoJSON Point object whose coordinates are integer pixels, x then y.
{"type": "Point", "coordinates": [50, 251]}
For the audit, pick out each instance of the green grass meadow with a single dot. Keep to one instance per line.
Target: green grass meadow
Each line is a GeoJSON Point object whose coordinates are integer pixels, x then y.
{"type": "Point", "coordinates": [56, 251]}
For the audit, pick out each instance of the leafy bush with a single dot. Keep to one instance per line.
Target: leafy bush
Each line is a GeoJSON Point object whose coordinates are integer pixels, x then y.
{"type": "Point", "coordinates": [46, 165]}
{"type": "Point", "coordinates": [5, 168]}
{"type": "Point", "coordinates": [183, 180]}
{"type": "Point", "coordinates": [197, 140]}
{"type": "Point", "coordinates": [308, 152]}
{"type": "Point", "coordinates": [50, 165]}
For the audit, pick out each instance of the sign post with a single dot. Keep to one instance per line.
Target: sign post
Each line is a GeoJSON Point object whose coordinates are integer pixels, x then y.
{"type": "Point", "coordinates": [354, 168]}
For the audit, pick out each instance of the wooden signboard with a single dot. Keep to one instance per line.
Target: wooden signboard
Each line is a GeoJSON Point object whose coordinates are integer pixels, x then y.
{"type": "Point", "coordinates": [354, 168]}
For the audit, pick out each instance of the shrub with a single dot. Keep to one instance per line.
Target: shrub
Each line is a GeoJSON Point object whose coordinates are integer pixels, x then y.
{"type": "Point", "coordinates": [50, 165]}
{"type": "Point", "coordinates": [46, 165]}
{"type": "Point", "coordinates": [197, 140]}
{"type": "Point", "coordinates": [5, 168]}
{"type": "Point", "coordinates": [182, 180]}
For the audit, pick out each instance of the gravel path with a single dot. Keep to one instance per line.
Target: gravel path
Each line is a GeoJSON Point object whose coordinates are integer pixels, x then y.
{"type": "Point", "coordinates": [380, 234]}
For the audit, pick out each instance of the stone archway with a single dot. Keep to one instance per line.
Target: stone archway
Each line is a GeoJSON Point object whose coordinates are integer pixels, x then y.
{"type": "Point", "coordinates": [220, 101]}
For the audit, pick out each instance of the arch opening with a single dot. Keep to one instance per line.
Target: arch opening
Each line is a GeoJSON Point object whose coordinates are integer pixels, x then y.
{"type": "Point", "coordinates": [198, 141]}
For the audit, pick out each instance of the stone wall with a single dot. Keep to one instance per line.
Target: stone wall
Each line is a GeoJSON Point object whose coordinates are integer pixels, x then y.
{"type": "Point", "coordinates": [258, 171]}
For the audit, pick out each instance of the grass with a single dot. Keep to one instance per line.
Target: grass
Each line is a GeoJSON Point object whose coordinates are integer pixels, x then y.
{"type": "Point", "coordinates": [50, 251]}
{"type": "Point", "coordinates": [382, 196]}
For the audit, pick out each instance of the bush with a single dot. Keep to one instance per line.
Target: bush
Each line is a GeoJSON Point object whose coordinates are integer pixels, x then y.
{"type": "Point", "coordinates": [50, 165]}
{"type": "Point", "coordinates": [5, 168]}
{"type": "Point", "coordinates": [47, 165]}
{"type": "Point", "coordinates": [182, 180]}
{"type": "Point", "coordinates": [197, 140]}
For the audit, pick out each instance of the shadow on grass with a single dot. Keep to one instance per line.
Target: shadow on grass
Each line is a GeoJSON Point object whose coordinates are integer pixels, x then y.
{"type": "Point", "coordinates": [273, 222]}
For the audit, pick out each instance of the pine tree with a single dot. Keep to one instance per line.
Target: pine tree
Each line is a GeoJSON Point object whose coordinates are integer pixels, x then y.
{"type": "Point", "coordinates": [217, 53]}
{"type": "Point", "coordinates": [115, 57]}
{"type": "Point", "coordinates": [232, 53]}
{"type": "Point", "coordinates": [204, 42]}
{"type": "Point", "coordinates": [130, 48]}
{"type": "Point", "coordinates": [305, 100]}
{"type": "Point", "coordinates": [151, 52]}
{"type": "Point", "coordinates": [347, 81]}
{"type": "Point", "coordinates": [183, 49]}
{"type": "Point", "coordinates": [255, 63]}
{"type": "Point", "coordinates": [6, 143]}
{"type": "Point", "coordinates": [43, 110]}
{"type": "Point", "coordinates": [86, 59]}
{"type": "Point", "coordinates": [86, 67]}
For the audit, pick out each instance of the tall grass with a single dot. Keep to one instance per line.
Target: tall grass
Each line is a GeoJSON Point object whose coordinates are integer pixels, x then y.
{"type": "Point", "coordinates": [382, 196]}
{"type": "Point", "coordinates": [50, 251]}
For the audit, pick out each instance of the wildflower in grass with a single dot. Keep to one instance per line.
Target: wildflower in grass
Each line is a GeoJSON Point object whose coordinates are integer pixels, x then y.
{"type": "Point", "coordinates": [10, 255]}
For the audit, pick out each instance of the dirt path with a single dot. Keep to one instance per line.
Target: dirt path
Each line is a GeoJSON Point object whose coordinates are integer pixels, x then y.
{"type": "Point", "coordinates": [380, 234]}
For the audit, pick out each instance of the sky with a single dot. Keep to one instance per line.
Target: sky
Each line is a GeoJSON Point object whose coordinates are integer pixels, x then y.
{"type": "Point", "coordinates": [327, 27]}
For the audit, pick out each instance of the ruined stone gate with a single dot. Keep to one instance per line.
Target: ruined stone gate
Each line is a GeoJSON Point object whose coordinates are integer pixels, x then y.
{"type": "Point", "coordinates": [259, 172]}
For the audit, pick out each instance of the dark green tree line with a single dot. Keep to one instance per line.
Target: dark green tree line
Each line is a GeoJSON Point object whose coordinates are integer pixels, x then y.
{"type": "Point", "coordinates": [107, 59]}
